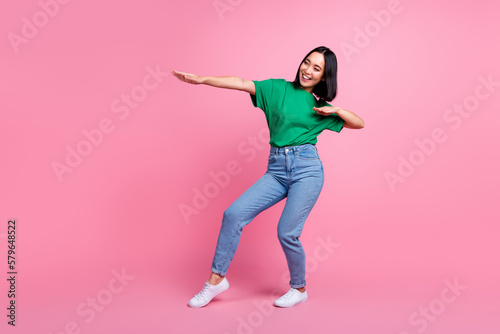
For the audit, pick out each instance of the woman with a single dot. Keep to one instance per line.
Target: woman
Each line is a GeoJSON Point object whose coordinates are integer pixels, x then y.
{"type": "Point", "coordinates": [296, 113]}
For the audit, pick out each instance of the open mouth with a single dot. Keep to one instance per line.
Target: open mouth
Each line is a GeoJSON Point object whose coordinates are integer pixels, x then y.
{"type": "Point", "coordinates": [305, 78]}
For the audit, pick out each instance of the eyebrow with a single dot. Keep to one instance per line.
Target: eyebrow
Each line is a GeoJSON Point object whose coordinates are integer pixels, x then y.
{"type": "Point", "coordinates": [314, 64]}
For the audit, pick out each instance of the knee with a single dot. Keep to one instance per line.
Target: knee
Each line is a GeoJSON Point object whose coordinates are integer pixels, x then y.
{"type": "Point", "coordinates": [231, 214]}
{"type": "Point", "coordinates": [286, 238]}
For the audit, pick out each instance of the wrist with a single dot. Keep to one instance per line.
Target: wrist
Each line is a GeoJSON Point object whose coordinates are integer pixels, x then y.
{"type": "Point", "coordinates": [338, 111]}
{"type": "Point", "coordinates": [204, 80]}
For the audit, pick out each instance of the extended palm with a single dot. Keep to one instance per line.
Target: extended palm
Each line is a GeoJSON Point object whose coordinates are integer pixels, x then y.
{"type": "Point", "coordinates": [326, 111]}
{"type": "Point", "coordinates": [188, 77]}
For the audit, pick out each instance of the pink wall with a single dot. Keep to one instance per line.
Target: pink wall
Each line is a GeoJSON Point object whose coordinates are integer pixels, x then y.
{"type": "Point", "coordinates": [409, 204]}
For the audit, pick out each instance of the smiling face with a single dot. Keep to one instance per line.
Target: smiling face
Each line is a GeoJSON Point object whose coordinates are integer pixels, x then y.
{"type": "Point", "coordinates": [311, 71]}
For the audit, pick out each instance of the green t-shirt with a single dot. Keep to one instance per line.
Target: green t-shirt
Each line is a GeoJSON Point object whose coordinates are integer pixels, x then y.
{"type": "Point", "coordinates": [289, 113]}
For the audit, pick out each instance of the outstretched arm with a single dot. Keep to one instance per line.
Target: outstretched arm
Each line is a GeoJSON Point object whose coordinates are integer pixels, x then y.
{"type": "Point", "coordinates": [351, 120]}
{"type": "Point", "coordinates": [220, 82]}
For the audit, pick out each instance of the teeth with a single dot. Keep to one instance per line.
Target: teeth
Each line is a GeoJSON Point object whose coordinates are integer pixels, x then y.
{"type": "Point", "coordinates": [303, 76]}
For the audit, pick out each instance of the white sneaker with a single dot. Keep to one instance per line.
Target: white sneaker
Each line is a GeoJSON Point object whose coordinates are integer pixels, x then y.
{"type": "Point", "coordinates": [208, 292]}
{"type": "Point", "coordinates": [291, 298]}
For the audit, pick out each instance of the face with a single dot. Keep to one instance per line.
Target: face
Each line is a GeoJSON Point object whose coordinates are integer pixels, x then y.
{"type": "Point", "coordinates": [311, 71]}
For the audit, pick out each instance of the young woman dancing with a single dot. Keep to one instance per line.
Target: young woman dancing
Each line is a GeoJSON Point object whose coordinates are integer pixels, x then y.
{"type": "Point", "coordinates": [296, 113]}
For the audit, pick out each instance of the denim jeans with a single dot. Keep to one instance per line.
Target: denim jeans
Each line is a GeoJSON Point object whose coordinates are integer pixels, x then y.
{"type": "Point", "coordinates": [294, 172]}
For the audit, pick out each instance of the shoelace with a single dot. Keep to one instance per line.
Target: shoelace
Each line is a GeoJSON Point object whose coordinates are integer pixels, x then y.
{"type": "Point", "coordinates": [288, 295]}
{"type": "Point", "coordinates": [203, 292]}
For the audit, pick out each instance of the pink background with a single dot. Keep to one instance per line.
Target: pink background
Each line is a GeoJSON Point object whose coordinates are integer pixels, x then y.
{"type": "Point", "coordinates": [393, 247]}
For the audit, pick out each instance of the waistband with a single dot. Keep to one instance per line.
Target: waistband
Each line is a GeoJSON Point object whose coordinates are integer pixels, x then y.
{"type": "Point", "coordinates": [297, 148]}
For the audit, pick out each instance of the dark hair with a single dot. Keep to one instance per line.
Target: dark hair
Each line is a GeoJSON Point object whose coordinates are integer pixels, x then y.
{"type": "Point", "coordinates": [327, 89]}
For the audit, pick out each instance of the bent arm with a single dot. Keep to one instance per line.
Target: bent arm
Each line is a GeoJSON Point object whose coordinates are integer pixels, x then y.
{"type": "Point", "coordinates": [229, 82]}
{"type": "Point", "coordinates": [351, 120]}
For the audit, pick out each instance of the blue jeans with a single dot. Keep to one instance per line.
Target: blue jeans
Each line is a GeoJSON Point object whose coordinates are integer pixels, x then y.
{"type": "Point", "coordinates": [294, 172]}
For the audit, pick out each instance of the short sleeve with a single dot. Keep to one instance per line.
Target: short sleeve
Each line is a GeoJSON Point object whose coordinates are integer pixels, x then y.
{"type": "Point", "coordinates": [336, 123]}
{"type": "Point", "coordinates": [264, 92]}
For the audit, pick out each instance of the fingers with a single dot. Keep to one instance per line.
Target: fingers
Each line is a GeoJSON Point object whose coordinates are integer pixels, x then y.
{"type": "Point", "coordinates": [179, 75]}
{"type": "Point", "coordinates": [320, 111]}
{"type": "Point", "coordinates": [186, 77]}
{"type": "Point", "coordinates": [325, 111]}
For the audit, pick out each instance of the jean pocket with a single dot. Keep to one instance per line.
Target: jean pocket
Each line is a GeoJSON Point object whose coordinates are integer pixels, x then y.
{"type": "Point", "coordinates": [310, 154]}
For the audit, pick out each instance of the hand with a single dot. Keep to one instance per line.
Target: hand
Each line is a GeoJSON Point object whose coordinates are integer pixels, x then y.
{"type": "Point", "coordinates": [188, 77]}
{"type": "Point", "coordinates": [327, 111]}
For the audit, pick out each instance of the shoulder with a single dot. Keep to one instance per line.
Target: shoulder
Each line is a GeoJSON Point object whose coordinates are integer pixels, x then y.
{"type": "Point", "coordinates": [271, 84]}
{"type": "Point", "coordinates": [291, 87]}
{"type": "Point", "coordinates": [275, 82]}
